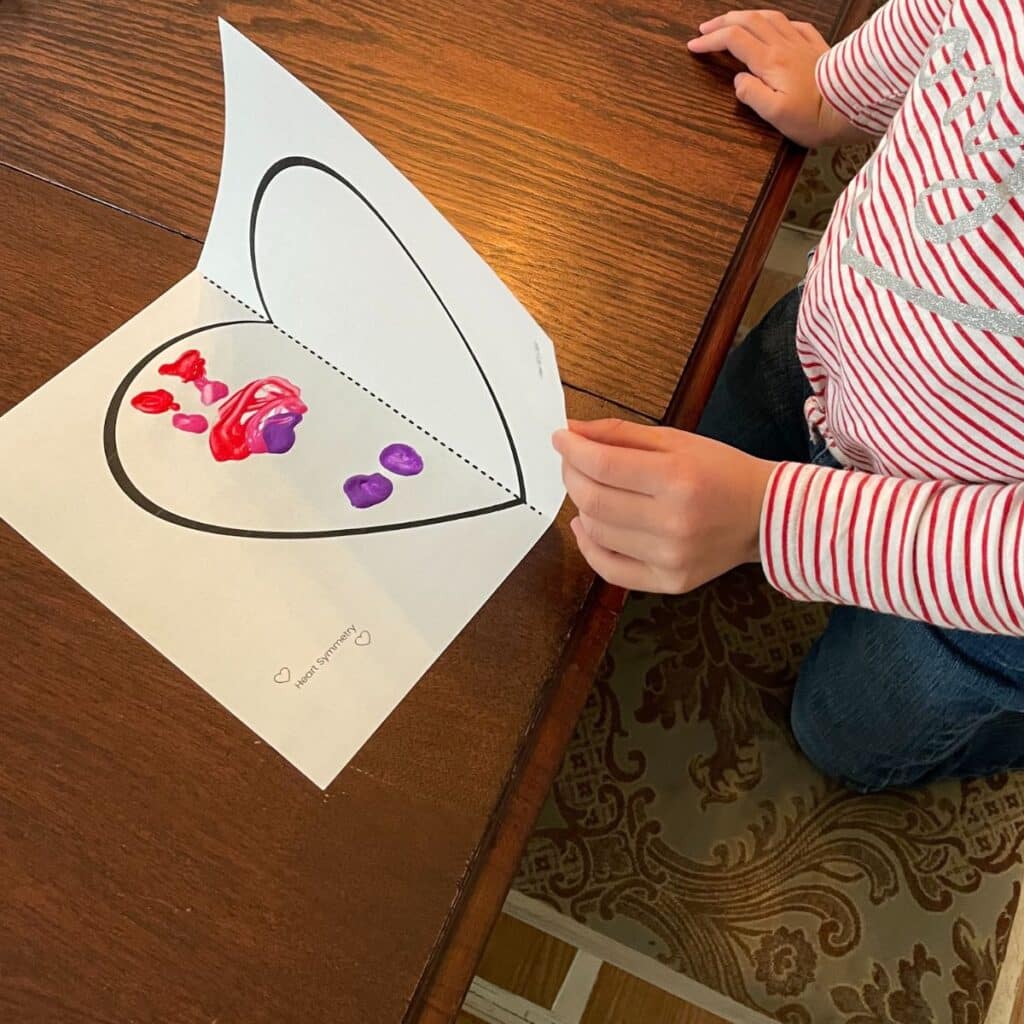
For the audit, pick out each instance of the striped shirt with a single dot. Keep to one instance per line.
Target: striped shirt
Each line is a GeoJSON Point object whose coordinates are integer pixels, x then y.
{"type": "Point", "coordinates": [911, 332]}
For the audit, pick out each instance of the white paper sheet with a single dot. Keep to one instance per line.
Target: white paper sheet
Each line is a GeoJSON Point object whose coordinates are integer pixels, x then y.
{"type": "Point", "coordinates": [327, 277]}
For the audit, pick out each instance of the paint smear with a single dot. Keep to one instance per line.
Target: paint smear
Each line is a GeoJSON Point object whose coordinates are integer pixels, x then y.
{"type": "Point", "coordinates": [189, 366]}
{"type": "Point", "coordinates": [243, 418]}
{"type": "Point", "coordinates": [154, 401]}
{"type": "Point", "coordinates": [367, 491]}
{"type": "Point", "coordinates": [401, 459]}
{"type": "Point", "coordinates": [191, 423]}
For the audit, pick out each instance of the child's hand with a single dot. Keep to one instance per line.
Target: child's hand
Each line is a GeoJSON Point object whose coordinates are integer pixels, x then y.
{"type": "Point", "coordinates": [780, 85]}
{"type": "Point", "coordinates": [660, 510]}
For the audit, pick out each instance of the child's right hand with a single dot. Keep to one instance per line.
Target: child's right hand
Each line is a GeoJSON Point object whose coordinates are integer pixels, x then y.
{"type": "Point", "coordinates": [779, 84]}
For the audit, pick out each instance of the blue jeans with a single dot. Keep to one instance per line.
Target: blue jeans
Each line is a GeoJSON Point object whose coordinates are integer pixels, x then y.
{"type": "Point", "coordinates": [879, 701]}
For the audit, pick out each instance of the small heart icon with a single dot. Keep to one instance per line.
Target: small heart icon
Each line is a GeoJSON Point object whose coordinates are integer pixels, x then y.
{"type": "Point", "coordinates": [283, 676]}
{"type": "Point", "coordinates": [363, 640]}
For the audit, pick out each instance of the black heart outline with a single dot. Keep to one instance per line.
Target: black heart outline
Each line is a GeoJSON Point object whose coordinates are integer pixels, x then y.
{"type": "Point", "coordinates": [146, 504]}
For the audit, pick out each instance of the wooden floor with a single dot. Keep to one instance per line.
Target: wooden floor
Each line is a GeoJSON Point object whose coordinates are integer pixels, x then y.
{"type": "Point", "coordinates": [530, 977]}
{"type": "Point", "coordinates": [782, 271]}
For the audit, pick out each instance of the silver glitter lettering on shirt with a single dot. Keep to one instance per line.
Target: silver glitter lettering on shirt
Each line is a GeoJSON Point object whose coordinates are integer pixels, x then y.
{"type": "Point", "coordinates": [987, 83]}
{"type": "Point", "coordinates": [995, 194]}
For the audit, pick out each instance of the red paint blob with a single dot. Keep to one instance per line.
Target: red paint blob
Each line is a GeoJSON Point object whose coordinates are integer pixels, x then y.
{"type": "Point", "coordinates": [236, 434]}
{"type": "Point", "coordinates": [189, 366]}
{"type": "Point", "coordinates": [155, 401]}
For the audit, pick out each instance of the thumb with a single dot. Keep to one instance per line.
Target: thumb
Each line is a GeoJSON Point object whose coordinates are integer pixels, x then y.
{"type": "Point", "coordinates": [751, 91]}
{"type": "Point", "coordinates": [621, 433]}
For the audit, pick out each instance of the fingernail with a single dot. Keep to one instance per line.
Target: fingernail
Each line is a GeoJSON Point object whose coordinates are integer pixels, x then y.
{"type": "Point", "coordinates": [558, 435]}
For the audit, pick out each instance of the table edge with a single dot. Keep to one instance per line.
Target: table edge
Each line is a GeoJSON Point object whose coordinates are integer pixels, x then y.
{"type": "Point", "coordinates": [445, 981]}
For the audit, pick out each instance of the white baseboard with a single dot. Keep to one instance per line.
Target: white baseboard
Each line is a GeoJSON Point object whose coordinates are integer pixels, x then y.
{"type": "Point", "coordinates": [495, 1005]}
{"type": "Point", "coordinates": [540, 915]}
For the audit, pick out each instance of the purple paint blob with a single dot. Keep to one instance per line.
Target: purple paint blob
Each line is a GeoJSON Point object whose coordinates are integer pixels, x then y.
{"type": "Point", "coordinates": [367, 491]}
{"type": "Point", "coordinates": [401, 459]}
{"type": "Point", "coordinates": [279, 432]}
{"type": "Point", "coordinates": [192, 424]}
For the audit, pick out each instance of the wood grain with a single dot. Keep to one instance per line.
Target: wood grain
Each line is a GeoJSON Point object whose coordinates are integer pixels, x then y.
{"type": "Point", "coordinates": [624, 999]}
{"type": "Point", "coordinates": [525, 961]}
{"type": "Point", "coordinates": [604, 173]}
{"type": "Point", "coordinates": [444, 986]}
{"type": "Point", "coordinates": [159, 863]}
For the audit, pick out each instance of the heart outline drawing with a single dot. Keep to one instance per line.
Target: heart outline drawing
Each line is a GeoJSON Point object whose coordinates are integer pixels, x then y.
{"type": "Point", "coordinates": [364, 639]}
{"type": "Point", "coordinates": [128, 487]}
{"type": "Point", "coordinates": [283, 675]}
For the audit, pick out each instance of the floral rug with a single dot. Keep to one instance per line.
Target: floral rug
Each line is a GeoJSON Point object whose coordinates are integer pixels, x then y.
{"type": "Point", "coordinates": [686, 824]}
{"type": "Point", "coordinates": [825, 173]}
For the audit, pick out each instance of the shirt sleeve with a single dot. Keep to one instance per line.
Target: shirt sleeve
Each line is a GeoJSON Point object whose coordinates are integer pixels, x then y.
{"type": "Point", "coordinates": [942, 552]}
{"type": "Point", "coordinates": [867, 75]}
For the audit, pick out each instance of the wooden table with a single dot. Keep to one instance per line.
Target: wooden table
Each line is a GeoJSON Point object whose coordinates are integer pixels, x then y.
{"type": "Point", "coordinates": [157, 862]}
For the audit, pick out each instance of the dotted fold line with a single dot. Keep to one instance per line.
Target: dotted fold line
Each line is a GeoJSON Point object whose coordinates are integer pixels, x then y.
{"type": "Point", "coordinates": [363, 387]}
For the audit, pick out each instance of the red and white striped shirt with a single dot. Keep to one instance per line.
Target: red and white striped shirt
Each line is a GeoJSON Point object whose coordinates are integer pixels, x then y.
{"type": "Point", "coordinates": [911, 332]}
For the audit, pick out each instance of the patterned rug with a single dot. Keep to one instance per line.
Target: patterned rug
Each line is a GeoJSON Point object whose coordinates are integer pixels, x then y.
{"type": "Point", "coordinates": [686, 824]}
{"type": "Point", "coordinates": [826, 172]}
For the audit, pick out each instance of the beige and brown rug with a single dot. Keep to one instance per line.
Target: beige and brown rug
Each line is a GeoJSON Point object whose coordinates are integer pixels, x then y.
{"type": "Point", "coordinates": [686, 825]}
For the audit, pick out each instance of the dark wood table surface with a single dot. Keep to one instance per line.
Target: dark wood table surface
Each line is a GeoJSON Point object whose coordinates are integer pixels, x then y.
{"type": "Point", "coordinates": [157, 862]}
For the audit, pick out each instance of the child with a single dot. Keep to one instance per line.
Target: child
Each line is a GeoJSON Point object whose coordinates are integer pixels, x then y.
{"type": "Point", "coordinates": [866, 442]}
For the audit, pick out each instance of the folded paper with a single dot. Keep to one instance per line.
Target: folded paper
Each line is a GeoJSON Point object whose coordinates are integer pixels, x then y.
{"type": "Point", "coordinates": [303, 469]}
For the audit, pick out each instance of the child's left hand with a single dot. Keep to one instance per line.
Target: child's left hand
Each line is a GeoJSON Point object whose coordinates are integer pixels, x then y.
{"type": "Point", "coordinates": [661, 510]}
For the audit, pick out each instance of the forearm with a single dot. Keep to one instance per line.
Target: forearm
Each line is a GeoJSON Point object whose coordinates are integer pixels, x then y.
{"type": "Point", "coordinates": [838, 130]}
{"type": "Point", "coordinates": [937, 551]}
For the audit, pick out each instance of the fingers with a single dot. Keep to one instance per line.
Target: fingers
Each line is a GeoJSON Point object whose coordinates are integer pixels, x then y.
{"type": "Point", "coordinates": [623, 434]}
{"type": "Point", "coordinates": [615, 568]}
{"type": "Point", "coordinates": [735, 39]}
{"type": "Point", "coordinates": [610, 504]}
{"type": "Point", "coordinates": [767, 26]}
{"type": "Point", "coordinates": [654, 551]}
{"type": "Point", "coordinates": [628, 469]}
{"type": "Point", "coordinates": [762, 99]}
{"type": "Point", "coordinates": [809, 32]}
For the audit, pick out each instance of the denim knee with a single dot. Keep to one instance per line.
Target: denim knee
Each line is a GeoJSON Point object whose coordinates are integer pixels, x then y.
{"type": "Point", "coordinates": [832, 747]}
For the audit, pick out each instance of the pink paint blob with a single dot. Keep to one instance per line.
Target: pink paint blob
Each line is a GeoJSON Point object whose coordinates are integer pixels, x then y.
{"type": "Point", "coordinates": [154, 402]}
{"type": "Point", "coordinates": [193, 424]}
{"type": "Point", "coordinates": [211, 391]}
